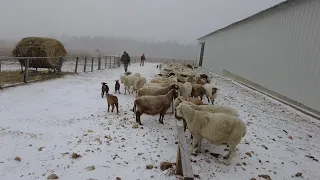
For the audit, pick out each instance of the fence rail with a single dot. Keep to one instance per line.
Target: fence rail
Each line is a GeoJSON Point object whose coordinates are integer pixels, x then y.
{"type": "Point", "coordinates": [68, 64]}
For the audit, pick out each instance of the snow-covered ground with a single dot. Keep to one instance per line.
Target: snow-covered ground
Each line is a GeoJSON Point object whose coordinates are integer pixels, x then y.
{"type": "Point", "coordinates": [68, 115]}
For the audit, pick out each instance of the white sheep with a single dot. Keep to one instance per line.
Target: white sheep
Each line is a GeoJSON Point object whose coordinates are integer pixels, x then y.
{"type": "Point", "coordinates": [185, 89]}
{"type": "Point", "coordinates": [217, 128]}
{"type": "Point", "coordinates": [211, 92]}
{"type": "Point", "coordinates": [153, 105]}
{"type": "Point", "coordinates": [128, 82]}
{"type": "Point", "coordinates": [213, 108]}
{"type": "Point", "coordinates": [156, 85]}
{"type": "Point", "coordinates": [139, 82]}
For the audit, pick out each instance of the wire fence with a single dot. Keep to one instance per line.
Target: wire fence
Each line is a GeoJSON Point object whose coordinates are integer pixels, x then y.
{"type": "Point", "coordinates": [19, 70]}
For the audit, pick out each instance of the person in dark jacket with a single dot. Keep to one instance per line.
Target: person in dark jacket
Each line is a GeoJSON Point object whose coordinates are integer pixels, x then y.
{"type": "Point", "coordinates": [142, 58]}
{"type": "Point", "coordinates": [125, 58]}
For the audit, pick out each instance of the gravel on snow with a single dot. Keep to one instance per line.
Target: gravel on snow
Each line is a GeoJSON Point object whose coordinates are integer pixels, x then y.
{"type": "Point", "coordinates": [61, 128]}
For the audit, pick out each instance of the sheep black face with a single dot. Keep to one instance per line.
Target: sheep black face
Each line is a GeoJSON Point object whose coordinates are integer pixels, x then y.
{"type": "Point", "coordinates": [214, 90]}
{"type": "Point", "coordinates": [174, 86]}
{"type": "Point", "coordinates": [104, 89]}
{"type": "Point", "coordinates": [117, 86]}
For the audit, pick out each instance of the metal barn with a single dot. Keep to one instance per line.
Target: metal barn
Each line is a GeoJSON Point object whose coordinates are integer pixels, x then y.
{"type": "Point", "coordinates": [276, 51]}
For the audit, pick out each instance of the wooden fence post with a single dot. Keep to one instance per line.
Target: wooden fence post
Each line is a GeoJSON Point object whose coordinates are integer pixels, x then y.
{"type": "Point", "coordinates": [85, 64]}
{"type": "Point", "coordinates": [26, 71]}
{"type": "Point", "coordinates": [114, 62]}
{"type": "Point", "coordinates": [76, 69]}
{"type": "Point", "coordinates": [92, 64]}
{"type": "Point", "coordinates": [105, 62]}
{"type": "Point", "coordinates": [99, 63]}
{"type": "Point", "coordinates": [110, 62]}
{"type": "Point", "coordinates": [0, 75]}
{"type": "Point", "coordinates": [60, 63]}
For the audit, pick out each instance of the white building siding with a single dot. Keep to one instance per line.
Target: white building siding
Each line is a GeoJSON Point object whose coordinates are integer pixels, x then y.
{"type": "Point", "coordinates": [278, 50]}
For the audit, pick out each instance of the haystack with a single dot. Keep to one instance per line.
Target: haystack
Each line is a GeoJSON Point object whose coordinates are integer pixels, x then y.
{"type": "Point", "coordinates": [40, 47]}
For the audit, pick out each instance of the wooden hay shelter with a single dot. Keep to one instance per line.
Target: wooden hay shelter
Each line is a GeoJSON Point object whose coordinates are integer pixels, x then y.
{"type": "Point", "coordinates": [40, 47]}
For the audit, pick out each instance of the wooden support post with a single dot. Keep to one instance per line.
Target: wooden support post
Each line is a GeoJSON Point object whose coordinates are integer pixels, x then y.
{"type": "Point", "coordinates": [76, 69]}
{"type": "Point", "coordinates": [85, 64]}
{"type": "Point", "coordinates": [109, 62]}
{"type": "Point", "coordinates": [0, 65]}
{"type": "Point", "coordinates": [92, 64]}
{"type": "Point", "coordinates": [26, 71]}
{"type": "Point", "coordinates": [114, 62]}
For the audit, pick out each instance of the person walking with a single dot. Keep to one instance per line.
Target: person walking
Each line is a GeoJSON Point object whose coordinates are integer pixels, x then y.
{"type": "Point", "coordinates": [125, 58]}
{"type": "Point", "coordinates": [142, 59]}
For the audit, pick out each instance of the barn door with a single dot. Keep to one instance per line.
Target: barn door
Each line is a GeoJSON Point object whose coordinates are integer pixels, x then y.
{"type": "Point", "coordinates": [201, 54]}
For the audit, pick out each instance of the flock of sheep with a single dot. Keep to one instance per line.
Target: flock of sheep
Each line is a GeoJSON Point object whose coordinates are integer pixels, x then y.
{"type": "Point", "coordinates": [179, 86]}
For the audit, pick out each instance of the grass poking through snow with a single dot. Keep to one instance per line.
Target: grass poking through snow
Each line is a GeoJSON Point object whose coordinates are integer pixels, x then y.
{"type": "Point", "coordinates": [12, 77]}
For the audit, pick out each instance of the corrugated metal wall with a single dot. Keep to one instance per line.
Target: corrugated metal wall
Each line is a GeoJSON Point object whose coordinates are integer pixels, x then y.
{"type": "Point", "coordinates": [278, 50]}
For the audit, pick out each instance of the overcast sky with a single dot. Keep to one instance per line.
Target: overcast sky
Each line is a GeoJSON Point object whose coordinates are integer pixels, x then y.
{"type": "Point", "coordinates": [181, 20]}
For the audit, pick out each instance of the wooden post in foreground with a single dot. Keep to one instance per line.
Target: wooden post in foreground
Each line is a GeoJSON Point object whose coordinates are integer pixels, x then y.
{"type": "Point", "coordinates": [76, 69]}
{"type": "Point", "coordinates": [26, 71]}
{"type": "Point", "coordinates": [183, 163]}
{"type": "Point", "coordinates": [92, 64]}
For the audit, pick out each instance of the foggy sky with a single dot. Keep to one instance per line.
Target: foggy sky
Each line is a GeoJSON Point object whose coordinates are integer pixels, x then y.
{"type": "Point", "coordinates": [181, 20]}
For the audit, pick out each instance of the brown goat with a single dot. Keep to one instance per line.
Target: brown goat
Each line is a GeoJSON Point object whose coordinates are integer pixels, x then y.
{"type": "Point", "coordinates": [112, 101]}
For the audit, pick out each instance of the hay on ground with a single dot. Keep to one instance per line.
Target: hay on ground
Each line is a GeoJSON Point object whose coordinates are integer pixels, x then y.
{"type": "Point", "coordinates": [40, 47]}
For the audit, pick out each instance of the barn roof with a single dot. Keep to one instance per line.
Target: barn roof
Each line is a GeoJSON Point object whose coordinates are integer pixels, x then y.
{"type": "Point", "coordinates": [251, 17]}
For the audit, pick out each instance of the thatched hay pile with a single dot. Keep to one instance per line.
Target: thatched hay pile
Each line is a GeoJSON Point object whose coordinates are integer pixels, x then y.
{"type": "Point", "coordinates": [40, 47]}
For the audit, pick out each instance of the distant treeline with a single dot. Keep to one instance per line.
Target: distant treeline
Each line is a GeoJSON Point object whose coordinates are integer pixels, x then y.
{"type": "Point", "coordinates": [115, 46]}
{"type": "Point", "coordinates": [86, 45]}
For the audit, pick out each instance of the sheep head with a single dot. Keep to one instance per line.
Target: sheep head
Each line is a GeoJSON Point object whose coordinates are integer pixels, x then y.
{"type": "Point", "coordinates": [214, 90]}
{"type": "Point", "coordinates": [103, 83]}
{"type": "Point", "coordinates": [175, 93]}
{"type": "Point", "coordinates": [122, 79]}
{"type": "Point", "coordinates": [174, 86]}
{"type": "Point", "coordinates": [177, 114]}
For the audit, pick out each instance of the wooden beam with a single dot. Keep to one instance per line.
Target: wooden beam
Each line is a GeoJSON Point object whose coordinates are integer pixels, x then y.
{"type": "Point", "coordinates": [183, 152]}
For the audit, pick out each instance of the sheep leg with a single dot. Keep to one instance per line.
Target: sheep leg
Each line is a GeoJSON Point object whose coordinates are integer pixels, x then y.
{"type": "Point", "coordinates": [230, 154]}
{"type": "Point", "coordinates": [138, 115]}
{"type": "Point", "coordinates": [125, 90]}
{"type": "Point", "coordinates": [102, 93]}
{"type": "Point", "coordinates": [208, 99]}
{"type": "Point", "coordinates": [196, 142]}
{"type": "Point", "coordinates": [117, 106]}
{"type": "Point", "coordinates": [108, 107]}
{"type": "Point", "coordinates": [112, 107]}
{"type": "Point", "coordinates": [161, 118]}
